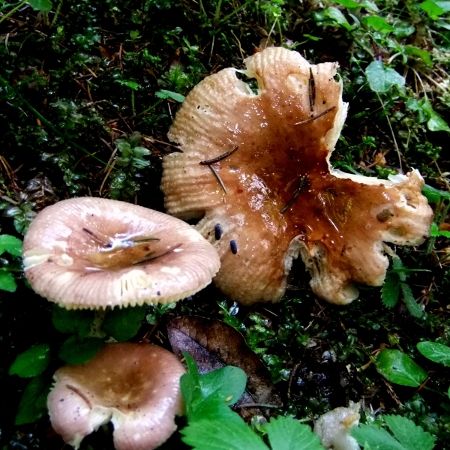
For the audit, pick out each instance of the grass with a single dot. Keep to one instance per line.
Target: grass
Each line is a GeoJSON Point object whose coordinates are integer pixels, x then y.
{"type": "Point", "coordinates": [87, 95]}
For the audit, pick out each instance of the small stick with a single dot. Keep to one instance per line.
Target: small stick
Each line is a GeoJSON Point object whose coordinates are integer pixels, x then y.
{"type": "Point", "coordinates": [219, 180]}
{"type": "Point", "coordinates": [302, 183]}
{"type": "Point", "coordinates": [152, 255]}
{"type": "Point", "coordinates": [208, 162]}
{"type": "Point", "coordinates": [312, 119]}
{"type": "Point", "coordinates": [311, 90]}
{"type": "Point", "coordinates": [94, 236]}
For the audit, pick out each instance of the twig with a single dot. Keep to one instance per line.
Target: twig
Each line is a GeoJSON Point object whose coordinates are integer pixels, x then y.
{"type": "Point", "coordinates": [219, 180]}
{"type": "Point", "coordinates": [392, 133]}
{"type": "Point", "coordinates": [302, 183]}
{"type": "Point", "coordinates": [311, 90]}
{"type": "Point", "coordinates": [312, 119]}
{"type": "Point", "coordinates": [208, 162]}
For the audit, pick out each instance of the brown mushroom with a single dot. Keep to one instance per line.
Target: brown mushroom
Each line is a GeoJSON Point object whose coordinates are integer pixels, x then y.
{"type": "Point", "coordinates": [135, 386]}
{"type": "Point", "coordinates": [255, 168]}
{"type": "Point", "coordinates": [93, 253]}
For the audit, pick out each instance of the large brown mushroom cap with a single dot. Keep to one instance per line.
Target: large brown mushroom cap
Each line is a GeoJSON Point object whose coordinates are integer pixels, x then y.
{"type": "Point", "coordinates": [135, 386]}
{"type": "Point", "coordinates": [255, 168]}
{"type": "Point", "coordinates": [93, 253]}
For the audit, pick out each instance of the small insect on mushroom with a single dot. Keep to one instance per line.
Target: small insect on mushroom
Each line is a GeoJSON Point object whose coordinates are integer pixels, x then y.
{"type": "Point", "coordinates": [233, 246]}
{"type": "Point", "coordinates": [218, 231]}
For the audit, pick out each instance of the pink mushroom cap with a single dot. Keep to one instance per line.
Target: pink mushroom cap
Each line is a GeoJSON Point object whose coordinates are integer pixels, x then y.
{"type": "Point", "coordinates": [135, 386]}
{"type": "Point", "coordinates": [96, 253]}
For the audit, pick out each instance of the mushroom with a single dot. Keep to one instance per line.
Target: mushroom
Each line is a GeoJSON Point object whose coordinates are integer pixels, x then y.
{"type": "Point", "coordinates": [334, 427]}
{"type": "Point", "coordinates": [93, 253]}
{"type": "Point", "coordinates": [135, 386]}
{"type": "Point", "coordinates": [255, 168]}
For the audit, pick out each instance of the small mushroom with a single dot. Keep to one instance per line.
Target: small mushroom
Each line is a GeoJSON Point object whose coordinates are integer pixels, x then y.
{"type": "Point", "coordinates": [135, 386]}
{"type": "Point", "coordinates": [334, 427]}
{"type": "Point", "coordinates": [93, 253]}
{"type": "Point", "coordinates": [257, 164]}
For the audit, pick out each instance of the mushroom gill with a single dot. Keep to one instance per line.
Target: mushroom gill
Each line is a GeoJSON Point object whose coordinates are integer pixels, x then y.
{"type": "Point", "coordinates": [96, 253]}
{"type": "Point", "coordinates": [255, 169]}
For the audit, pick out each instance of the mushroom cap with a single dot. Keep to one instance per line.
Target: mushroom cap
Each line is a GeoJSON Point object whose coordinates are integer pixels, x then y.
{"type": "Point", "coordinates": [93, 253]}
{"type": "Point", "coordinates": [135, 386]}
{"type": "Point", "coordinates": [256, 165]}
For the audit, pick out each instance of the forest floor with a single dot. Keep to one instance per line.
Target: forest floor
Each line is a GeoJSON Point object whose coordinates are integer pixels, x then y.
{"type": "Point", "coordinates": [88, 92]}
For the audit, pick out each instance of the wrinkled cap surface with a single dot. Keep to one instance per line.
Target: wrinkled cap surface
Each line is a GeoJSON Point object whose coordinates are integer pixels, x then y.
{"type": "Point", "coordinates": [93, 253]}
{"type": "Point", "coordinates": [255, 169]}
{"type": "Point", "coordinates": [135, 386]}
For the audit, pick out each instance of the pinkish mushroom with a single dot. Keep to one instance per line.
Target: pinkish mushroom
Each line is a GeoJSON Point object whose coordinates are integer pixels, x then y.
{"type": "Point", "coordinates": [97, 253]}
{"type": "Point", "coordinates": [135, 386]}
{"type": "Point", "coordinates": [255, 168]}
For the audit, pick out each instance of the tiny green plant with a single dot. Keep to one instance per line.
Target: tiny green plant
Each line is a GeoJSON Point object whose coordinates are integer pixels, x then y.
{"type": "Point", "coordinates": [395, 287]}
{"type": "Point", "coordinates": [12, 246]}
{"type": "Point", "coordinates": [31, 364]}
{"type": "Point", "coordinates": [127, 163]}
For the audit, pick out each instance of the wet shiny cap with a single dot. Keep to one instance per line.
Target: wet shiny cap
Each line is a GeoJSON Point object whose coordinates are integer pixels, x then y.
{"type": "Point", "coordinates": [96, 253]}
{"type": "Point", "coordinates": [135, 386]}
{"type": "Point", "coordinates": [256, 145]}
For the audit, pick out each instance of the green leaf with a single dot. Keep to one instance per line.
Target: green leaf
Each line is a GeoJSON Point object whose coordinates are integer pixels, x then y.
{"type": "Point", "coordinates": [350, 4]}
{"type": "Point", "coordinates": [390, 291]}
{"type": "Point", "coordinates": [190, 385]}
{"type": "Point", "coordinates": [207, 393]}
{"type": "Point", "coordinates": [337, 17]}
{"type": "Point", "coordinates": [426, 112]}
{"type": "Point", "coordinates": [382, 79]}
{"type": "Point", "coordinates": [437, 123]}
{"type": "Point", "coordinates": [33, 402]}
{"type": "Point", "coordinates": [31, 362]}
{"type": "Point", "coordinates": [424, 55]}
{"type": "Point", "coordinates": [403, 29]}
{"type": "Point", "coordinates": [10, 244]}
{"type": "Point", "coordinates": [433, 8]}
{"type": "Point", "coordinates": [72, 321]}
{"type": "Point", "coordinates": [230, 434]}
{"type": "Point", "coordinates": [410, 302]}
{"type": "Point", "coordinates": [410, 435]}
{"type": "Point", "coordinates": [434, 195]}
{"type": "Point", "coordinates": [399, 368]}
{"type": "Point", "coordinates": [165, 95]}
{"type": "Point", "coordinates": [399, 268]}
{"type": "Point", "coordinates": [227, 383]}
{"type": "Point", "coordinates": [373, 438]}
{"type": "Point", "coordinates": [130, 84]}
{"type": "Point", "coordinates": [76, 350]}
{"type": "Point", "coordinates": [436, 352]}
{"type": "Point", "coordinates": [123, 324]}
{"type": "Point", "coordinates": [286, 433]}
{"type": "Point", "coordinates": [7, 281]}
{"type": "Point", "coordinates": [41, 5]}
{"type": "Point", "coordinates": [436, 232]}
{"type": "Point", "coordinates": [377, 23]}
